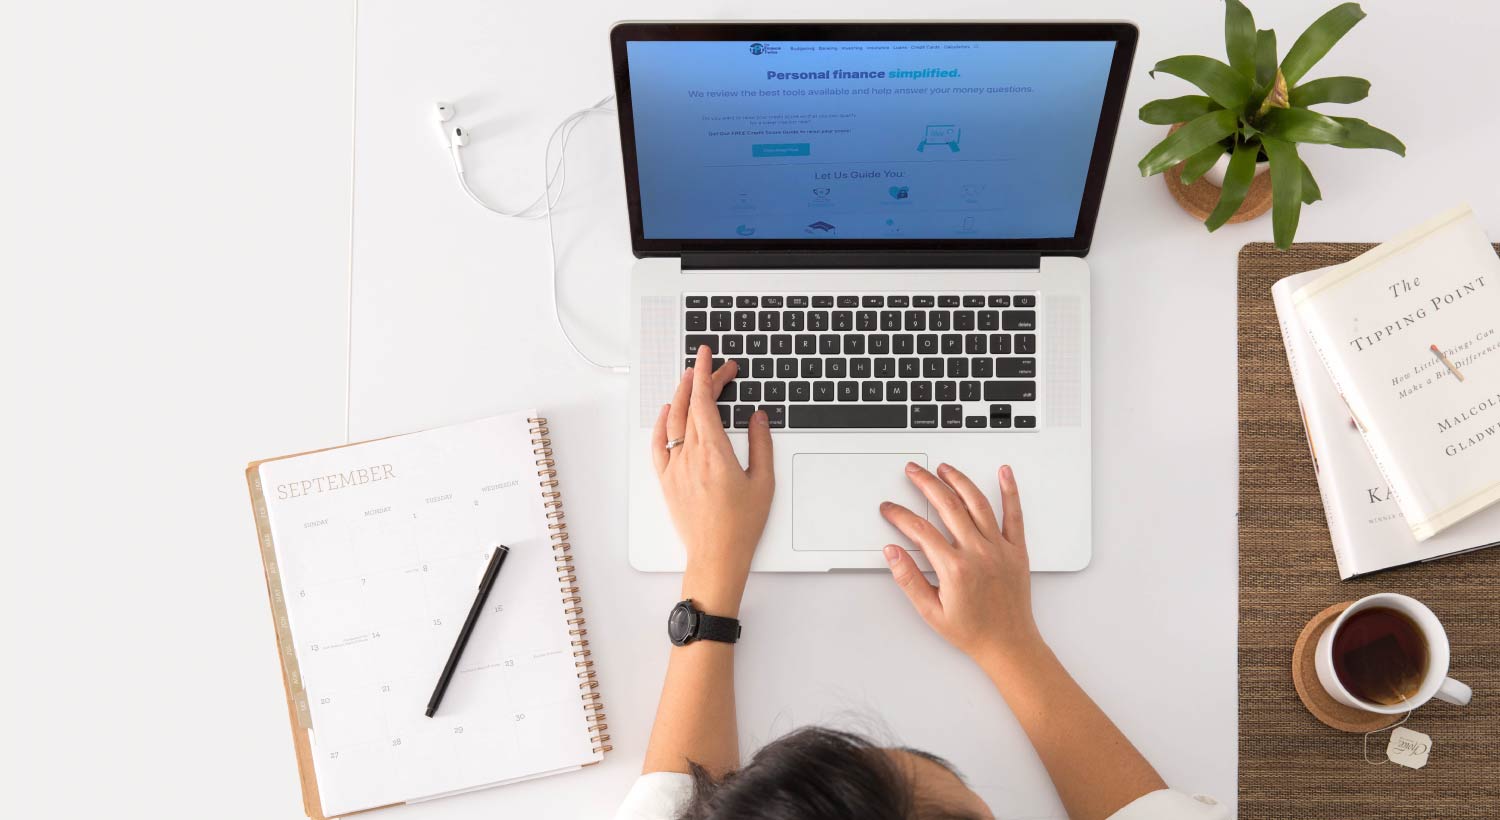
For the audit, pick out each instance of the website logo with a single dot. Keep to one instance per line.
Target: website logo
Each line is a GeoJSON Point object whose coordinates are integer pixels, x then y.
{"type": "Point", "coordinates": [745, 230]}
{"type": "Point", "coordinates": [819, 226]}
{"type": "Point", "coordinates": [821, 194]}
{"type": "Point", "coordinates": [900, 192]}
{"type": "Point", "coordinates": [763, 48]}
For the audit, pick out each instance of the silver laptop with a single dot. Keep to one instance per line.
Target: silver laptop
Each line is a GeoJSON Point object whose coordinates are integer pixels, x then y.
{"type": "Point", "coordinates": [885, 225]}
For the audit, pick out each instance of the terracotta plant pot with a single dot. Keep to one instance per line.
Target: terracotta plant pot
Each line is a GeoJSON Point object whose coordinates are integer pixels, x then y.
{"type": "Point", "coordinates": [1200, 197]}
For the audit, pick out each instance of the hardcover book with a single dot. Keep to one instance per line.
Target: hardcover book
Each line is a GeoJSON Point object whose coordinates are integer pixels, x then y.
{"type": "Point", "coordinates": [1410, 335]}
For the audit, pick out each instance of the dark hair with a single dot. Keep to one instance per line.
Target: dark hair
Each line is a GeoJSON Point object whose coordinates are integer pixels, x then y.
{"type": "Point", "coordinates": [813, 773]}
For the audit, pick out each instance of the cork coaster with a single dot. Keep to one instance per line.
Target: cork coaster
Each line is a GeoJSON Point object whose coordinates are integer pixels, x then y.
{"type": "Point", "coordinates": [1200, 198]}
{"type": "Point", "coordinates": [1310, 689]}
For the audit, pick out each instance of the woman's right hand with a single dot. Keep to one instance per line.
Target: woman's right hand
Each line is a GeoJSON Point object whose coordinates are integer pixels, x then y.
{"type": "Point", "coordinates": [982, 603]}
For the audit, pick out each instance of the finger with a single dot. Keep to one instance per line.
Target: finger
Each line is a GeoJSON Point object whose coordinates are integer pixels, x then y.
{"type": "Point", "coordinates": [762, 467]}
{"type": "Point", "coordinates": [677, 416]}
{"type": "Point", "coordinates": [920, 531]}
{"type": "Point", "coordinates": [659, 454]}
{"type": "Point", "coordinates": [702, 412]}
{"type": "Point", "coordinates": [1012, 526]}
{"type": "Point", "coordinates": [974, 500]}
{"type": "Point", "coordinates": [949, 506]}
{"type": "Point", "coordinates": [922, 594]}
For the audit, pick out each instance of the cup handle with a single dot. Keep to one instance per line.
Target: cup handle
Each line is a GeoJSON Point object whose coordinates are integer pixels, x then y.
{"type": "Point", "coordinates": [1454, 692]}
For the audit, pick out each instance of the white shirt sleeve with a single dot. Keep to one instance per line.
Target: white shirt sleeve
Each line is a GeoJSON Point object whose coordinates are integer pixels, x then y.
{"type": "Point", "coordinates": [1169, 805]}
{"type": "Point", "coordinates": [656, 796]}
{"type": "Point", "coordinates": [662, 795]}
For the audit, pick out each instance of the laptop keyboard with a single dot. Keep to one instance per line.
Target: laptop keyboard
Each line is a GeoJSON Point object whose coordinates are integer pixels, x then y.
{"type": "Point", "coordinates": [918, 361]}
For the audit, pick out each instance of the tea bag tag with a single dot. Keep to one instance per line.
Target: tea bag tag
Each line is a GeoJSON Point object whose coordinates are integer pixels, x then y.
{"type": "Point", "coordinates": [1408, 748]}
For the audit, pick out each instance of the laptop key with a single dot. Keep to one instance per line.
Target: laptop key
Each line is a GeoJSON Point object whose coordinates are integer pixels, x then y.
{"type": "Point", "coordinates": [828, 344]}
{"type": "Point", "coordinates": [948, 301]}
{"type": "Point", "coordinates": [958, 368]}
{"type": "Point", "coordinates": [924, 416]}
{"type": "Point", "coordinates": [1026, 422]}
{"type": "Point", "coordinates": [1025, 301]}
{"type": "Point", "coordinates": [750, 391]}
{"type": "Point", "coordinates": [746, 301]}
{"type": "Point", "coordinates": [812, 368]}
{"type": "Point", "coordinates": [909, 368]}
{"type": "Point", "coordinates": [822, 391]}
{"type": "Point", "coordinates": [731, 344]}
{"type": "Point", "coordinates": [848, 301]}
{"type": "Point", "coordinates": [975, 421]}
{"type": "Point", "coordinates": [847, 415]}
{"type": "Point", "coordinates": [974, 301]}
{"type": "Point", "coordinates": [953, 416]}
{"type": "Point", "coordinates": [775, 415]}
{"type": "Point", "coordinates": [859, 368]}
{"type": "Point", "coordinates": [999, 343]}
{"type": "Point", "coordinates": [974, 344]}
{"type": "Point", "coordinates": [817, 320]}
{"type": "Point", "coordinates": [969, 391]}
{"type": "Point", "coordinates": [898, 301]}
{"type": "Point", "coordinates": [871, 391]}
{"type": "Point", "coordinates": [762, 368]}
{"type": "Point", "coordinates": [796, 301]}
{"type": "Point", "coordinates": [927, 344]}
{"type": "Point", "coordinates": [963, 320]}
{"type": "Point", "coordinates": [1015, 368]}
{"type": "Point", "coordinates": [722, 301]}
{"type": "Point", "coordinates": [693, 342]}
{"type": "Point", "coordinates": [697, 321]}
{"type": "Point", "coordinates": [873, 301]}
{"type": "Point", "coordinates": [854, 344]}
{"type": "Point", "coordinates": [1018, 320]}
{"type": "Point", "coordinates": [724, 414]}
{"type": "Point", "coordinates": [903, 343]}
{"type": "Point", "coordinates": [786, 368]}
{"type": "Point", "coordinates": [727, 394]}
{"type": "Point", "coordinates": [776, 391]}
{"type": "Point", "coordinates": [720, 320]}
{"type": "Point", "coordinates": [843, 320]}
{"type": "Point", "coordinates": [879, 344]}
{"type": "Point", "coordinates": [890, 320]}
{"type": "Point", "coordinates": [836, 368]}
{"type": "Point", "coordinates": [916, 320]}
{"type": "Point", "coordinates": [953, 343]}
{"type": "Point", "coordinates": [921, 391]}
{"type": "Point", "coordinates": [800, 391]}
{"type": "Point", "coordinates": [895, 391]}
{"type": "Point", "coordinates": [1025, 342]}
{"type": "Point", "coordinates": [948, 391]}
{"type": "Point", "coordinates": [989, 320]}
{"type": "Point", "coordinates": [939, 320]}
{"type": "Point", "coordinates": [822, 301]}
{"type": "Point", "coordinates": [744, 320]}
{"type": "Point", "coordinates": [1010, 391]}
{"type": "Point", "coordinates": [865, 320]}
{"type": "Point", "coordinates": [922, 301]}
{"type": "Point", "coordinates": [806, 344]}
{"type": "Point", "coordinates": [932, 367]}
{"type": "Point", "coordinates": [697, 301]}
{"type": "Point", "coordinates": [742, 413]}
{"type": "Point", "coordinates": [756, 344]}
{"type": "Point", "coordinates": [781, 344]}
{"type": "Point", "coordinates": [999, 301]}
{"type": "Point", "coordinates": [742, 367]}
{"type": "Point", "coordinates": [983, 367]}
{"type": "Point", "coordinates": [848, 391]}
{"type": "Point", "coordinates": [885, 368]}
{"type": "Point", "coordinates": [770, 301]}
{"type": "Point", "coordinates": [793, 320]}
{"type": "Point", "coordinates": [770, 320]}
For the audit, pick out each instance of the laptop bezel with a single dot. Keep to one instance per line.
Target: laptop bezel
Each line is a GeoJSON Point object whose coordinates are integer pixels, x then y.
{"type": "Point", "coordinates": [910, 252]}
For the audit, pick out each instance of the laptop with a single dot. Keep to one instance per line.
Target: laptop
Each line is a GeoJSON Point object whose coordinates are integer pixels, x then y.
{"type": "Point", "coordinates": [885, 225]}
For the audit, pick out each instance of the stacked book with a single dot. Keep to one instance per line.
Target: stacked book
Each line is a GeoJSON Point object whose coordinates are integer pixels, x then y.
{"type": "Point", "coordinates": [1395, 356]}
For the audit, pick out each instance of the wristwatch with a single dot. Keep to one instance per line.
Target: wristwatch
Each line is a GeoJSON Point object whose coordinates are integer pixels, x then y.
{"type": "Point", "coordinates": [687, 623]}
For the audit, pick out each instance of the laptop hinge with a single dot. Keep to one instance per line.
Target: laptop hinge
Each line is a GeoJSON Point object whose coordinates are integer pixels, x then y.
{"type": "Point", "coordinates": [800, 260]}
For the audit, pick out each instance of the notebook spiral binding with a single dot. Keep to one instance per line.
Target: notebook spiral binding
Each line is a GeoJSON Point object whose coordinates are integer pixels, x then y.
{"type": "Point", "coordinates": [562, 554]}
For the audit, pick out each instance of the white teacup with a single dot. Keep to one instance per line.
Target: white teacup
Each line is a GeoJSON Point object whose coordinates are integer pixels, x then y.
{"type": "Point", "coordinates": [1435, 683]}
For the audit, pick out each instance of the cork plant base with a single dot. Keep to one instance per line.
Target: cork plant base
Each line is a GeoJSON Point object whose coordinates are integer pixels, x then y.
{"type": "Point", "coordinates": [1200, 198]}
{"type": "Point", "coordinates": [1317, 700]}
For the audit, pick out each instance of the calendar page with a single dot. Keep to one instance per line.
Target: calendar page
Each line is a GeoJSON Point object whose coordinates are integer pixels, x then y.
{"type": "Point", "coordinates": [380, 548]}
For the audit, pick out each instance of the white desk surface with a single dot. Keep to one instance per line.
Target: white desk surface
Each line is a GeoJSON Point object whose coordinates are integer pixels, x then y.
{"type": "Point", "coordinates": [211, 325]}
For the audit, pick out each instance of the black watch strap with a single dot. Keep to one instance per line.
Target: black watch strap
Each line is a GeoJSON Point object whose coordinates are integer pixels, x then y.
{"type": "Point", "coordinates": [714, 628]}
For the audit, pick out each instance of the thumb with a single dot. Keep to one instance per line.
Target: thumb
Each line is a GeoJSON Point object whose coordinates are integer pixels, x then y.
{"type": "Point", "coordinates": [923, 595]}
{"type": "Point", "coordinates": [762, 466]}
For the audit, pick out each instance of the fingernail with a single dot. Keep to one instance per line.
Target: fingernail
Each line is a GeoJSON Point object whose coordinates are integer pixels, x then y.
{"type": "Point", "coordinates": [702, 349]}
{"type": "Point", "coordinates": [759, 417]}
{"type": "Point", "coordinates": [892, 554]}
{"type": "Point", "coordinates": [1009, 476]}
{"type": "Point", "coordinates": [666, 408]}
{"type": "Point", "coordinates": [911, 467]}
{"type": "Point", "coordinates": [886, 505]}
{"type": "Point", "coordinates": [943, 468]}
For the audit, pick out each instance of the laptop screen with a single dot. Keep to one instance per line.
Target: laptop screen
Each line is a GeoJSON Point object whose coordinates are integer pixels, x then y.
{"type": "Point", "coordinates": [798, 140]}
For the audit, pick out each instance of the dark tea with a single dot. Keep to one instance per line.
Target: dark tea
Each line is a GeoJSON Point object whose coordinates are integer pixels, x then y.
{"type": "Point", "coordinates": [1380, 656]}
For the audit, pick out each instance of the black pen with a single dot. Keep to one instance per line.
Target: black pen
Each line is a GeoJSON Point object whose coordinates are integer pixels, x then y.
{"type": "Point", "coordinates": [490, 573]}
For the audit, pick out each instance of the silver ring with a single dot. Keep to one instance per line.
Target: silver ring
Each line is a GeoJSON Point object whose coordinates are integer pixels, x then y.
{"type": "Point", "coordinates": [676, 442]}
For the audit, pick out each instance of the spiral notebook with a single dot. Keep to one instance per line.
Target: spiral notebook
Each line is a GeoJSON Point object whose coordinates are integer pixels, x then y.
{"type": "Point", "coordinates": [372, 554]}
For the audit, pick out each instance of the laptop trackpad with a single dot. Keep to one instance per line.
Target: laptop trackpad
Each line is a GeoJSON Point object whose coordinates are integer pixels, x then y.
{"type": "Point", "coordinates": [836, 499]}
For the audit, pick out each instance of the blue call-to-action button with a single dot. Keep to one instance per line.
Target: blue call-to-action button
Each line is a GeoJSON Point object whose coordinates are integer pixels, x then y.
{"type": "Point", "coordinates": [781, 149]}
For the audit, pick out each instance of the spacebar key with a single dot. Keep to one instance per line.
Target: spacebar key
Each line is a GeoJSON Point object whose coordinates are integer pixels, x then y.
{"type": "Point", "coordinates": [846, 415]}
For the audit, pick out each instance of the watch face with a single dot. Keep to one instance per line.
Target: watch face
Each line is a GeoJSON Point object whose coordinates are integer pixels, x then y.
{"type": "Point", "coordinates": [682, 623]}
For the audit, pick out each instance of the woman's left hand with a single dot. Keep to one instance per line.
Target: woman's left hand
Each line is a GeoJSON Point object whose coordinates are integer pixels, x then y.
{"type": "Point", "coordinates": [719, 509]}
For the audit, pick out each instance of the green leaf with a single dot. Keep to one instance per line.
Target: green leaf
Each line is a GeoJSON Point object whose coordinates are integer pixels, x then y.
{"type": "Point", "coordinates": [1239, 38]}
{"type": "Point", "coordinates": [1361, 134]}
{"type": "Point", "coordinates": [1330, 90]}
{"type": "Point", "coordinates": [1286, 189]}
{"type": "Point", "coordinates": [1236, 184]}
{"type": "Point", "coordinates": [1196, 165]}
{"type": "Point", "coordinates": [1188, 140]}
{"type": "Point", "coordinates": [1177, 109]}
{"type": "Point", "coordinates": [1302, 125]}
{"type": "Point", "coordinates": [1219, 81]}
{"type": "Point", "coordinates": [1318, 39]}
{"type": "Point", "coordinates": [1265, 59]}
{"type": "Point", "coordinates": [1310, 191]}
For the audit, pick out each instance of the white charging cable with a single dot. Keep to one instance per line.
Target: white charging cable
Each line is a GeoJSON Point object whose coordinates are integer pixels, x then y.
{"type": "Point", "coordinates": [456, 137]}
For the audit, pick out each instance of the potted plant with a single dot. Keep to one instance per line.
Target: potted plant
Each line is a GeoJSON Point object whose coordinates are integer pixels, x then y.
{"type": "Point", "coordinates": [1254, 112]}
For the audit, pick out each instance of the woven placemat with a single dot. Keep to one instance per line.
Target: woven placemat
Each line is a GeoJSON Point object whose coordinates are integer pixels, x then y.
{"type": "Point", "coordinates": [1292, 767]}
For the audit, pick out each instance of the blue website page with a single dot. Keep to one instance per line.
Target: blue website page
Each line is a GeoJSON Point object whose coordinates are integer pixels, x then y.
{"type": "Point", "coordinates": [866, 140]}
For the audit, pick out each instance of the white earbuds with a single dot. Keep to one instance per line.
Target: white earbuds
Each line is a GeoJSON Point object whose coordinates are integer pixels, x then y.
{"type": "Point", "coordinates": [455, 137]}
